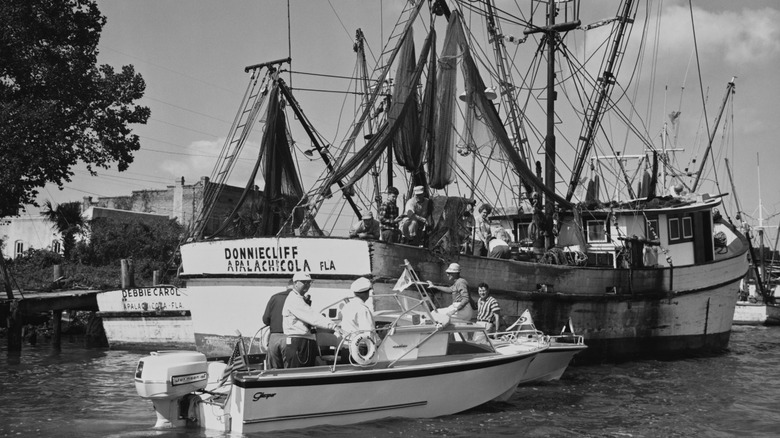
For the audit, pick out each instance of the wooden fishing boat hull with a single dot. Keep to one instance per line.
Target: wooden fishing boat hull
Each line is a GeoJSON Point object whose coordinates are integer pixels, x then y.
{"type": "Point", "coordinates": [300, 398]}
{"type": "Point", "coordinates": [148, 318]}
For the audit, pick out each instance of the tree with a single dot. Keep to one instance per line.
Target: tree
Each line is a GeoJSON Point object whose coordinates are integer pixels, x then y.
{"type": "Point", "coordinates": [57, 107]}
{"type": "Point", "coordinates": [68, 221]}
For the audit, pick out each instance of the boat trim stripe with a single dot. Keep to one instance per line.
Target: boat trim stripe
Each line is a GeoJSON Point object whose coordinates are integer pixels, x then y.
{"type": "Point", "coordinates": [337, 413]}
{"type": "Point", "coordinates": [377, 375]}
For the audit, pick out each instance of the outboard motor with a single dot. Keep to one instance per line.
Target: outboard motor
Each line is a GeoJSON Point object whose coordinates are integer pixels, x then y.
{"type": "Point", "coordinates": [165, 378]}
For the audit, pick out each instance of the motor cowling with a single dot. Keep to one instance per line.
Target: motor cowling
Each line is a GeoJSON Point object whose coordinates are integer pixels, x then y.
{"type": "Point", "coordinates": [171, 374]}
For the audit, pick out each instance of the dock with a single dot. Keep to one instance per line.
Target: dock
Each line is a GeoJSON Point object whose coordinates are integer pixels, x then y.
{"type": "Point", "coordinates": [15, 311]}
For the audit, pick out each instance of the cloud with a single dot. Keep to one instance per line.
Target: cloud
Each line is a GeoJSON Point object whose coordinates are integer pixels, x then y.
{"type": "Point", "coordinates": [747, 36]}
{"type": "Point", "coordinates": [201, 158]}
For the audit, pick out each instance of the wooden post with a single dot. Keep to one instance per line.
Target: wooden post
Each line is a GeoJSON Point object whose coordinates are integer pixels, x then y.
{"type": "Point", "coordinates": [156, 277]}
{"type": "Point", "coordinates": [56, 272]}
{"type": "Point", "coordinates": [56, 325]}
{"type": "Point", "coordinates": [14, 326]}
{"type": "Point", "coordinates": [14, 319]}
{"type": "Point", "coordinates": [128, 274]}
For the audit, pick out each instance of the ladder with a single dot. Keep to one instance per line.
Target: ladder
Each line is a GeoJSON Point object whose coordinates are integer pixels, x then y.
{"type": "Point", "coordinates": [251, 103]}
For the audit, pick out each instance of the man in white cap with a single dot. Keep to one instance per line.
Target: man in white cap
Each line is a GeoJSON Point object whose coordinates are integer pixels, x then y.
{"type": "Point", "coordinates": [417, 217]}
{"type": "Point", "coordinates": [366, 228]}
{"type": "Point", "coordinates": [356, 316]}
{"type": "Point", "coordinates": [301, 349]}
{"type": "Point", "coordinates": [461, 307]}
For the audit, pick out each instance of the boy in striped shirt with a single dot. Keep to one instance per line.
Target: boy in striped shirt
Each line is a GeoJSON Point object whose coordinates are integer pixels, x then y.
{"type": "Point", "coordinates": [488, 310]}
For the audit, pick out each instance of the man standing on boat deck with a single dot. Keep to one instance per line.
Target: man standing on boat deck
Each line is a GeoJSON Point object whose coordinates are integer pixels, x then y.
{"type": "Point", "coordinates": [272, 317]}
{"type": "Point", "coordinates": [417, 217]}
{"type": "Point", "coordinates": [482, 230]}
{"type": "Point", "coordinates": [461, 307]}
{"type": "Point", "coordinates": [301, 344]}
{"type": "Point", "coordinates": [356, 316]}
{"type": "Point", "coordinates": [388, 217]}
{"type": "Point", "coordinates": [366, 228]}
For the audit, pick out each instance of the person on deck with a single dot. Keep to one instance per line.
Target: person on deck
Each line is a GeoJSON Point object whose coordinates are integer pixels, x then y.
{"type": "Point", "coordinates": [356, 316]}
{"type": "Point", "coordinates": [482, 230]}
{"type": "Point", "coordinates": [301, 344]}
{"type": "Point", "coordinates": [498, 247]}
{"type": "Point", "coordinates": [417, 217]}
{"type": "Point", "coordinates": [466, 229]}
{"type": "Point", "coordinates": [462, 307]}
{"type": "Point", "coordinates": [389, 218]}
{"type": "Point", "coordinates": [488, 310]}
{"type": "Point", "coordinates": [365, 228]}
{"type": "Point", "coordinates": [272, 317]}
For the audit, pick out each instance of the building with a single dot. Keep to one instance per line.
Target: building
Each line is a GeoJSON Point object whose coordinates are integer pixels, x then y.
{"type": "Point", "coordinates": [178, 201]}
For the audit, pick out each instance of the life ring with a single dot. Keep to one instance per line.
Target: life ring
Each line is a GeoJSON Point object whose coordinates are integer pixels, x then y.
{"type": "Point", "coordinates": [354, 349]}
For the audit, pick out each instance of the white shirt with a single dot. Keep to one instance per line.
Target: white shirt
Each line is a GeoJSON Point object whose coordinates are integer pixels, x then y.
{"type": "Point", "coordinates": [296, 314]}
{"type": "Point", "coordinates": [356, 316]}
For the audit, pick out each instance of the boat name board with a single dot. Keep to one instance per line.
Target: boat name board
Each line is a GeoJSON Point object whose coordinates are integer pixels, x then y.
{"type": "Point", "coordinates": [152, 298]}
{"type": "Point", "coordinates": [277, 256]}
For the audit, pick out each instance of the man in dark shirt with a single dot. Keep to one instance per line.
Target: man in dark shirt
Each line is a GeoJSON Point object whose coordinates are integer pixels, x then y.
{"type": "Point", "coordinates": [272, 317]}
{"type": "Point", "coordinates": [388, 217]}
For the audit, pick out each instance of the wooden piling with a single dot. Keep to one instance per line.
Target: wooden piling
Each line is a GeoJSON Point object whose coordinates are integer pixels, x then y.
{"type": "Point", "coordinates": [56, 325]}
{"type": "Point", "coordinates": [128, 273]}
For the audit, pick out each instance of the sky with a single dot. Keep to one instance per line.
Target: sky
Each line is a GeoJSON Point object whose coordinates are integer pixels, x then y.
{"type": "Point", "coordinates": [192, 55]}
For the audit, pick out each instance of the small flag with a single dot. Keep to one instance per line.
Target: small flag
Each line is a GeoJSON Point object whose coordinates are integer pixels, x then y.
{"type": "Point", "coordinates": [235, 362]}
{"type": "Point", "coordinates": [404, 281]}
{"type": "Point", "coordinates": [524, 324]}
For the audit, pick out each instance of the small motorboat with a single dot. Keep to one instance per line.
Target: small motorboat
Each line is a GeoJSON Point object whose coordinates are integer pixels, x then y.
{"type": "Point", "coordinates": [551, 363]}
{"type": "Point", "coordinates": [416, 364]}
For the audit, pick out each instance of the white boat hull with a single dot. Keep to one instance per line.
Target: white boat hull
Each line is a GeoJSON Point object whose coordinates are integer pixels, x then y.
{"type": "Point", "coordinates": [299, 398]}
{"type": "Point", "coordinates": [747, 313]}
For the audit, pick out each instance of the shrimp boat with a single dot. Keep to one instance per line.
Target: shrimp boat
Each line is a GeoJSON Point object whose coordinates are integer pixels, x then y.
{"type": "Point", "coordinates": [642, 273]}
{"type": "Point", "coordinates": [402, 375]}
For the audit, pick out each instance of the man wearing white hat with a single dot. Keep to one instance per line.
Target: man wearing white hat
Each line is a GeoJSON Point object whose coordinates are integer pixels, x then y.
{"type": "Point", "coordinates": [366, 228]}
{"type": "Point", "coordinates": [356, 316]}
{"type": "Point", "coordinates": [417, 217]}
{"type": "Point", "coordinates": [301, 349]}
{"type": "Point", "coordinates": [461, 307]}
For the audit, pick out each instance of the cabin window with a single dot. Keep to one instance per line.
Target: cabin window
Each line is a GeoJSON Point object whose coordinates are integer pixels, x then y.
{"type": "Point", "coordinates": [18, 248]}
{"type": "Point", "coordinates": [597, 231]}
{"type": "Point", "coordinates": [521, 231]}
{"type": "Point", "coordinates": [674, 229]}
{"type": "Point", "coordinates": [651, 231]}
{"type": "Point", "coordinates": [55, 246]}
{"type": "Point", "coordinates": [687, 228]}
{"type": "Point", "coordinates": [680, 229]}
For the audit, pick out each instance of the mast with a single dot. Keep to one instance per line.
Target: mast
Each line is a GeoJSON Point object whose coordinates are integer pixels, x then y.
{"type": "Point", "coordinates": [361, 54]}
{"type": "Point", "coordinates": [549, 143]}
{"type": "Point", "coordinates": [315, 142]}
{"type": "Point", "coordinates": [729, 92]}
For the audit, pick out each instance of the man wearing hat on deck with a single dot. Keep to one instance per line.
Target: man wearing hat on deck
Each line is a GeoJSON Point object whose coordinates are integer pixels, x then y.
{"type": "Point", "coordinates": [356, 316]}
{"type": "Point", "coordinates": [417, 217]}
{"type": "Point", "coordinates": [461, 307]}
{"type": "Point", "coordinates": [366, 228]}
{"type": "Point", "coordinates": [301, 344]}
